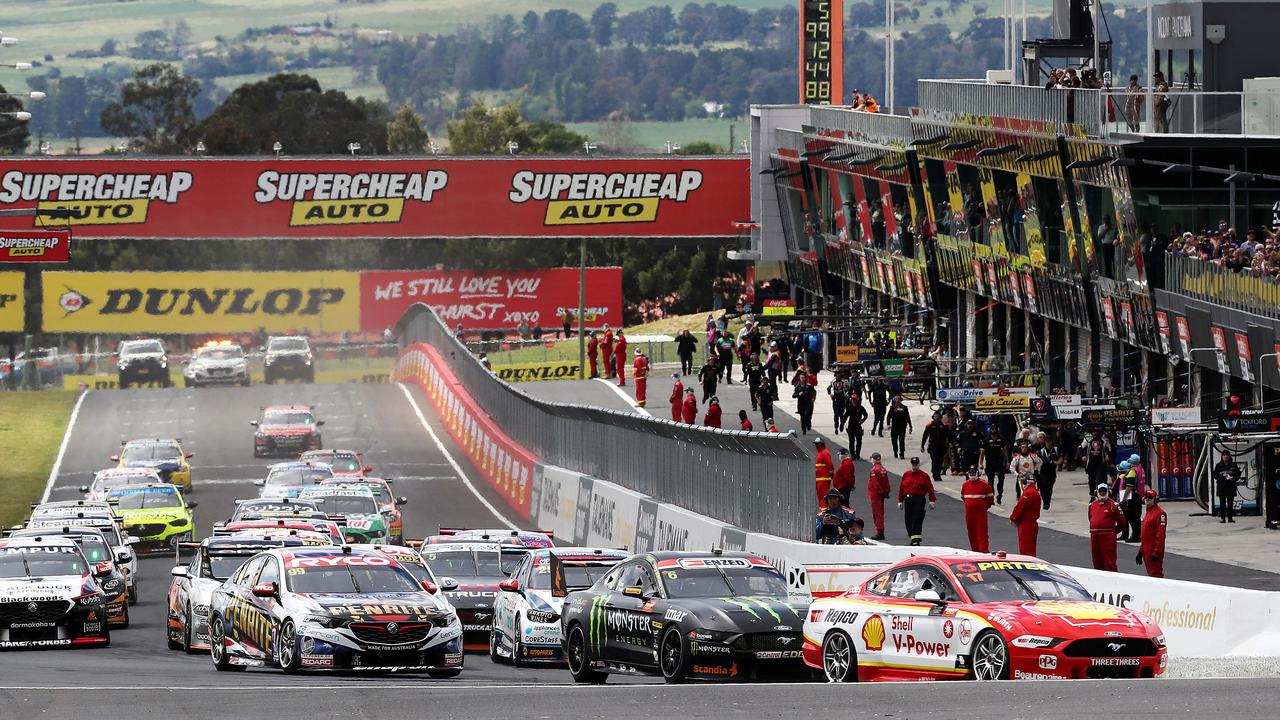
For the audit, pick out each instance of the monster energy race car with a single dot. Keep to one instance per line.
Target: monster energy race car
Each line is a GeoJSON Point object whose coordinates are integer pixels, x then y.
{"type": "Point", "coordinates": [685, 616]}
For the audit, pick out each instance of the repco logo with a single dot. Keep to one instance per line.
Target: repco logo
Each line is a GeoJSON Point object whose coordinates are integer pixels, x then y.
{"type": "Point", "coordinates": [207, 301]}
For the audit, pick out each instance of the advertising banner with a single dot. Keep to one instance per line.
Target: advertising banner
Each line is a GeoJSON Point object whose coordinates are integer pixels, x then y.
{"type": "Point", "coordinates": [1002, 404]}
{"type": "Point", "coordinates": [12, 301]}
{"type": "Point", "coordinates": [201, 302]}
{"type": "Point", "coordinates": [35, 246]}
{"type": "Point", "coordinates": [366, 197]}
{"type": "Point", "coordinates": [537, 372]}
{"type": "Point", "coordinates": [492, 299]}
{"type": "Point", "coordinates": [968, 395]}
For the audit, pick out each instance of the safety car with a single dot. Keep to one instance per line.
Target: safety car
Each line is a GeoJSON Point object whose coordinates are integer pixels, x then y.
{"type": "Point", "coordinates": [526, 615]}
{"type": "Point", "coordinates": [285, 479]}
{"type": "Point", "coordinates": [288, 357]}
{"type": "Point", "coordinates": [104, 480]}
{"type": "Point", "coordinates": [345, 463]}
{"type": "Point", "coordinates": [685, 616]}
{"type": "Point", "coordinates": [355, 508]}
{"type": "Point", "coordinates": [217, 363]}
{"type": "Point", "coordinates": [98, 553]}
{"type": "Point", "coordinates": [348, 608]}
{"type": "Point", "coordinates": [388, 503]}
{"type": "Point", "coordinates": [164, 455]}
{"type": "Point", "coordinates": [155, 513]}
{"type": "Point", "coordinates": [983, 617]}
{"type": "Point", "coordinates": [49, 595]}
{"type": "Point", "coordinates": [100, 515]}
{"type": "Point", "coordinates": [142, 361]}
{"type": "Point", "coordinates": [477, 567]}
{"type": "Point", "coordinates": [286, 430]}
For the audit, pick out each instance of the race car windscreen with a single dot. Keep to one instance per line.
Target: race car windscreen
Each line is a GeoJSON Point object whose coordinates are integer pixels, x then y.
{"type": "Point", "coordinates": [467, 563]}
{"type": "Point", "coordinates": [577, 576]}
{"type": "Point", "coordinates": [725, 581]}
{"type": "Point", "coordinates": [149, 452]}
{"type": "Point", "coordinates": [222, 352]}
{"type": "Point", "coordinates": [1017, 581]}
{"type": "Point", "coordinates": [140, 348]}
{"type": "Point", "coordinates": [341, 462]}
{"type": "Point", "coordinates": [221, 567]}
{"type": "Point", "coordinates": [348, 505]}
{"type": "Point", "coordinates": [144, 498]}
{"type": "Point", "coordinates": [297, 477]}
{"type": "Point", "coordinates": [270, 507]}
{"type": "Point", "coordinates": [287, 345]}
{"type": "Point", "coordinates": [21, 562]}
{"type": "Point", "coordinates": [283, 417]}
{"type": "Point", "coordinates": [346, 579]}
{"type": "Point", "coordinates": [113, 481]}
{"type": "Point", "coordinates": [95, 551]}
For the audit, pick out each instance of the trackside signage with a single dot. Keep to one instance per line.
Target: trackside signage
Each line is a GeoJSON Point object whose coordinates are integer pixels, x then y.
{"type": "Point", "coordinates": [12, 301]}
{"type": "Point", "coordinates": [365, 197]}
{"type": "Point", "coordinates": [18, 246]}
{"type": "Point", "coordinates": [536, 372]}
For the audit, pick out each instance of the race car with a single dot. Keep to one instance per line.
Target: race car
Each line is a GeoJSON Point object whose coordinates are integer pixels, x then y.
{"type": "Point", "coordinates": [285, 430]}
{"type": "Point", "coordinates": [164, 455]}
{"type": "Point", "coordinates": [285, 479]}
{"type": "Point", "coordinates": [388, 503]}
{"type": "Point", "coordinates": [262, 507]}
{"type": "Point", "coordinates": [217, 363]}
{"type": "Point", "coordinates": [477, 568]}
{"type": "Point", "coordinates": [104, 480]}
{"type": "Point", "coordinates": [327, 528]}
{"type": "Point", "coordinates": [523, 538]}
{"type": "Point", "coordinates": [213, 561]}
{"type": "Point", "coordinates": [985, 617]}
{"type": "Point", "coordinates": [345, 463]}
{"type": "Point", "coordinates": [49, 595]}
{"type": "Point", "coordinates": [411, 560]}
{"type": "Point", "coordinates": [335, 609]}
{"type": "Point", "coordinates": [288, 357]}
{"type": "Point", "coordinates": [155, 513]}
{"type": "Point", "coordinates": [685, 616]}
{"type": "Point", "coordinates": [97, 552]}
{"type": "Point", "coordinates": [361, 518]}
{"type": "Point", "coordinates": [526, 615]}
{"type": "Point", "coordinates": [313, 538]}
{"type": "Point", "coordinates": [100, 515]}
{"type": "Point", "coordinates": [142, 361]}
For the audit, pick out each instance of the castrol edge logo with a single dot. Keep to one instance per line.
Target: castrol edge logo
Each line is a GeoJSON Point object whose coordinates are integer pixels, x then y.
{"type": "Point", "coordinates": [93, 199]}
{"type": "Point", "coordinates": [599, 198]}
{"type": "Point", "coordinates": [347, 198]}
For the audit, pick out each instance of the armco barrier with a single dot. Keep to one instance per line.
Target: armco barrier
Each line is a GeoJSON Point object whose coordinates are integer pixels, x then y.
{"type": "Point", "coordinates": [759, 481]}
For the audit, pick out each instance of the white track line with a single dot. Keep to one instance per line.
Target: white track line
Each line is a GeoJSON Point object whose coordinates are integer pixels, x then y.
{"type": "Point", "coordinates": [462, 475]}
{"type": "Point", "coordinates": [622, 394]}
{"type": "Point", "coordinates": [62, 449]}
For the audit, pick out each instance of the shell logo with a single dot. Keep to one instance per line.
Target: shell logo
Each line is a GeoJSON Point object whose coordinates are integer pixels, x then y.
{"type": "Point", "coordinates": [873, 633]}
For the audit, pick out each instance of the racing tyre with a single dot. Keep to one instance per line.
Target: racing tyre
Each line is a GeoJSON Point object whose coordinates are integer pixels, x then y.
{"type": "Point", "coordinates": [186, 634]}
{"type": "Point", "coordinates": [493, 648]}
{"type": "Point", "coordinates": [168, 636]}
{"type": "Point", "coordinates": [839, 659]}
{"type": "Point", "coordinates": [125, 624]}
{"type": "Point", "coordinates": [576, 655]}
{"type": "Point", "coordinates": [673, 656]}
{"type": "Point", "coordinates": [188, 384]}
{"type": "Point", "coordinates": [453, 672]}
{"type": "Point", "coordinates": [287, 648]}
{"type": "Point", "coordinates": [218, 647]}
{"type": "Point", "coordinates": [124, 384]}
{"type": "Point", "coordinates": [517, 648]}
{"type": "Point", "coordinates": [133, 595]}
{"type": "Point", "coordinates": [990, 658]}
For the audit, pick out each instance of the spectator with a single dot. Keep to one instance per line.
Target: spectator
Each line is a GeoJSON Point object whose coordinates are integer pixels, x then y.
{"type": "Point", "coordinates": [1226, 476]}
{"type": "Point", "coordinates": [838, 391]}
{"type": "Point", "coordinates": [686, 343]}
{"type": "Point", "coordinates": [879, 401]}
{"type": "Point", "coordinates": [857, 416]}
{"type": "Point", "coordinates": [899, 419]}
{"type": "Point", "coordinates": [724, 351]}
{"type": "Point", "coordinates": [805, 394]}
{"type": "Point", "coordinates": [834, 521]}
{"type": "Point", "coordinates": [708, 376]}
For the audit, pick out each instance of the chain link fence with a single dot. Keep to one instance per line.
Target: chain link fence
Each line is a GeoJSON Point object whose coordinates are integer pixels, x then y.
{"type": "Point", "coordinates": [760, 482]}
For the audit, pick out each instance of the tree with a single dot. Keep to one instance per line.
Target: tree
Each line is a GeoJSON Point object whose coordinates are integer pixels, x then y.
{"type": "Point", "coordinates": [701, 147]}
{"type": "Point", "coordinates": [14, 133]}
{"type": "Point", "coordinates": [405, 134]}
{"type": "Point", "coordinates": [603, 19]}
{"type": "Point", "coordinates": [486, 131]}
{"type": "Point", "coordinates": [553, 138]}
{"type": "Point", "coordinates": [155, 110]}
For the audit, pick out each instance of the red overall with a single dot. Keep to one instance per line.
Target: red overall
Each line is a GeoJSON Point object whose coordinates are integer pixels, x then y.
{"type": "Point", "coordinates": [713, 416]}
{"type": "Point", "coordinates": [689, 411]}
{"type": "Point", "coordinates": [641, 371]}
{"type": "Point", "coordinates": [977, 496]}
{"type": "Point", "coordinates": [677, 397]}
{"type": "Point", "coordinates": [1154, 524]}
{"type": "Point", "coordinates": [620, 359]}
{"type": "Point", "coordinates": [607, 347]}
{"type": "Point", "coordinates": [1105, 521]}
{"type": "Point", "coordinates": [823, 470]}
{"type": "Point", "coordinates": [1026, 516]}
{"type": "Point", "coordinates": [593, 350]}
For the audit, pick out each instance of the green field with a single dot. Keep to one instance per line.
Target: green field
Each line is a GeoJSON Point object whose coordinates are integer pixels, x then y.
{"type": "Point", "coordinates": [32, 424]}
{"type": "Point", "coordinates": [652, 136]}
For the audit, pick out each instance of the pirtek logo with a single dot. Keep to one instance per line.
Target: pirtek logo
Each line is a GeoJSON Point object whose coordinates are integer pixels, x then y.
{"type": "Point", "coordinates": [206, 302]}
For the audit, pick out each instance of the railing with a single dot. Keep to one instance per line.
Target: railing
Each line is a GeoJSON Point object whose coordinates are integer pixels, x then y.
{"type": "Point", "coordinates": [1187, 112]}
{"type": "Point", "coordinates": [758, 481]}
{"type": "Point", "coordinates": [1207, 281]}
{"type": "Point", "coordinates": [980, 99]}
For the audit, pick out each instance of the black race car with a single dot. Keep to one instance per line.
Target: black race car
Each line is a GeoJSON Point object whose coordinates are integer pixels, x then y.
{"type": "Point", "coordinates": [686, 616]}
{"type": "Point", "coordinates": [288, 357]}
{"type": "Point", "coordinates": [143, 361]}
{"type": "Point", "coordinates": [477, 568]}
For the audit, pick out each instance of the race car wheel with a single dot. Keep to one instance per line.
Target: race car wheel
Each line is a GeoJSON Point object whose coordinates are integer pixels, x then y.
{"type": "Point", "coordinates": [168, 636]}
{"type": "Point", "coordinates": [133, 595]}
{"type": "Point", "coordinates": [444, 673]}
{"type": "Point", "coordinates": [124, 384]}
{"type": "Point", "coordinates": [517, 647]}
{"type": "Point", "coordinates": [673, 656]}
{"type": "Point", "coordinates": [576, 653]}
{"type": "Point", "coordinates": [839, 659]}
{"type": "Point", "coordinates": [125, 624]}
{"type": "Point", "coordinates": [990, 660]}
{"type": "Point", "coordinates": [186, 633]}
{"type": "Point", "coordinates": [494, 655]}
{"type": "Point", "coordinates": [218, 647]}
{"type": "Point", "coordinates": [287, 648]}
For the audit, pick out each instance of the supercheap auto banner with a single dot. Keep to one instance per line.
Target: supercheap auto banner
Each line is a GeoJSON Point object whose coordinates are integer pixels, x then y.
{"type": "Point", "coordinates": [493, 299]}
{"type": "Point", "coordinates": [364, 197]}
{"type": "Point", "coordinates": [12, 300]}
{"type": "Point", "coordinates": [200, 302]}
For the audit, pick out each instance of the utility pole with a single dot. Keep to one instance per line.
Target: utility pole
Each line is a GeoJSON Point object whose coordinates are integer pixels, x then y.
{"type": "Point", "coordinates": [582, 307]}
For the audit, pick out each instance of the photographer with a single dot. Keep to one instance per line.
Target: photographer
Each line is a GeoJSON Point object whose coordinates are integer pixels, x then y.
{"type": "Point", "coordinates": [834, 524]}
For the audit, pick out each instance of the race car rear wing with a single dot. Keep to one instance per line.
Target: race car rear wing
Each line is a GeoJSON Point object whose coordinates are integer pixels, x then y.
{"type": "Point", "coordinates": [496, 533]}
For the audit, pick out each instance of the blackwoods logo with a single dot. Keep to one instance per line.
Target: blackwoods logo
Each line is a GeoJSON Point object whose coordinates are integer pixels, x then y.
{"type": "Point", "coordinates": [207, 301]}
{"type": "Point", "coordinates": [597, 198]}
{"type": "Point", "coordinates": [103, 199]}
{"type": "Point", "coordinates": [348, 198]}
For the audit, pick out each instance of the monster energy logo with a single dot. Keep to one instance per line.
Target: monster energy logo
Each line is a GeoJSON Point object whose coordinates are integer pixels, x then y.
{"type": "Point", "coordinates": [599, 629]}
{"type": "Point", "coordinates": [746, 604]}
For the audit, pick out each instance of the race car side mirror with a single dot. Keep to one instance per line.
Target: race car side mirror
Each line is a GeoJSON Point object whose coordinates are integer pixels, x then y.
{"type": "Point", "coordinates": [429, 587]}
{"type": "Point", "coordinates": [253, 423]}
{"type": "Point", "coordinates": [102, 569]}
{"type": "Point", "coordinates": [192, 504]}
{"type": "Point", "coordinates": [84, 488]}
{"type": "Point", "coordinates": [189, 455]}
{"type": "Point", "coordinates": [366, 468]}
{"type": "Point", "coordinates": [178, 571]}
{"type": "Point", "coordinates": [319, 423]}
{"type": "Point", "coordinates": [929, 596]}
{"type": "Point", "coordinates": [512, 585]}
{"type": "Point", "coordinates": [264, 590]}
{"type": "Point", "coordinates": [633, 591]}
{"type": "Point", "coordinates": [114, 458]}
{"type": "Point", "coordinates": [448, 584]}
{"type": "Point", "coordinates": [402, 500]}
{"type": "Point", "coordinates": [122, 557]}
{"type": "Point", "coordinates": [259, 482]}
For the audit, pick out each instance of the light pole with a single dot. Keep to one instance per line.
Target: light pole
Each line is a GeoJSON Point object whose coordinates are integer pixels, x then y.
{"type": "Point", "coordinates": [354, 147]}
{"type": "Point", "coordinates": [19, 115]}
{"type": "Point", "coordinates": [434, 148]}
{"type": "Point", "coordinates": [277, 148]}
{"type": "Point", "coordinates": [588, 146]}
{"type": "Point", "coordinates": [672, 147]}
{"type": "Point", "coordinates": [512, 147]}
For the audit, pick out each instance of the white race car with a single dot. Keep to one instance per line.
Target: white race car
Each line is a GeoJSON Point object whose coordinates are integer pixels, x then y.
{"type": "Point", "coordinates": [49, 595]}
{"type": "Point", "coordinates": [100, 515]}
{"type": "Point", "coordinates": [105, 480]}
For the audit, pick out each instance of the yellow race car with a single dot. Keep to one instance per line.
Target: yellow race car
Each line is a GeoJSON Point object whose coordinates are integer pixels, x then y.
{"type": "Point", "coordinates": [164, 455]}
{"type": "Point", "coordinates": [155, 513]}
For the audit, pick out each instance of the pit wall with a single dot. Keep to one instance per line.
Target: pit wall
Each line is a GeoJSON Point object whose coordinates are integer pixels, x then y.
{"type": "Point", "coordinates": [1198, 619]}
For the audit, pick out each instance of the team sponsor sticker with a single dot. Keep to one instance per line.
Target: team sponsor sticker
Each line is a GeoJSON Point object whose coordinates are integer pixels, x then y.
{"type": "Point", "coordinates": [598, 198]}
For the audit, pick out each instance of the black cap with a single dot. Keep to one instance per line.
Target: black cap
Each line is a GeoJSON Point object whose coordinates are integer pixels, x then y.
{"type": "Point", "coordinates": [915, 461]}
{"type": "Point", "coordinates": [833, 493]}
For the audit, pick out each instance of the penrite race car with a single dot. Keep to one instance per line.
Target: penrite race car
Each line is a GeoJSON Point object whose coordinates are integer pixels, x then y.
{"type": "Point", "coordinates": [322, 526]}
{"type": "Point", "coordinates": [685, 615]}
{"type": "Point", "coordinates": [285, 430]}
{"type": "Point", "coordinates": [213, 561]}
{"type": "Point", "coordinates": [142, 361]}
{"type": "Point", "coordinates": [355, 509]}
{"type": "Point", "coordinates": [49, 595]}
{"type": "Point", "coordinates": [526, 617]}
{"type": "Point", "coordinates": [985, 617]}
{"type": "Point", "coordinates": [345, 463]}
{"type": "Point", "coordinates": [332, 608]}
{"type": "Point", "coordinates": [104, 480]}
{"type": "Point", "coordinates": [285, 479]}
{"type": "Point", "coordinates": [217, 363]}
{"type": "Point", "coordinates": [388, 503]}
{"type": "Point", "coordinates": [154, 513]}
{"type": "Point", "coordinates": [288, 357]}
{"type": "Point", "coordinates": [98, 553]}
{"type": "Point", "coordinates": [522, 538]}
{"type": "Point", "coordinates": [477, 567]}
{"type": "Point", "coordinates": [100, 515]}
{"type": "Point", "coordinates": [164, 455]}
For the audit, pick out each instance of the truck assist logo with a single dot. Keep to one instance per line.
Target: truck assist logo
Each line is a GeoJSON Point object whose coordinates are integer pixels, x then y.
{"type": "Point", "coordinates": [597, 198]}
{"type": "Point", "coordinates": [101, 199]}
{"type": "Point", "coordinates": [348, 198]}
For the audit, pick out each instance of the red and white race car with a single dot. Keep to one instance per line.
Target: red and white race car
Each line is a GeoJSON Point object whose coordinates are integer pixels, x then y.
{"type": "Point", "coordinates": [984, 617]}
{"type": "Point", "coordinates": [345, 463]}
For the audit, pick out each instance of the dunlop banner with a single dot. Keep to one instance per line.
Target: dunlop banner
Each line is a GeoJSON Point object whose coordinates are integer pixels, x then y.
{"type": "Point", "coordinates": [535, 372]}
{"type": "Point", "coordinates": [1002, 404]}
{"type": "Point", "coordinates": [201, 302]}
{"type": "Point", "coordinates": [389, 198]}
{"type": "Point", "coordinates": [12, 302]}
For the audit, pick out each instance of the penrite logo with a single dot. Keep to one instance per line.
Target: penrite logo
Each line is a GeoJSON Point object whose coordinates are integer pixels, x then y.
{"type": "Point", "coordinates": [597, 198]}
{"type": "Point", "coordinates": [102, 199]}
{"type": "Point", "coordinates": [348, 198]}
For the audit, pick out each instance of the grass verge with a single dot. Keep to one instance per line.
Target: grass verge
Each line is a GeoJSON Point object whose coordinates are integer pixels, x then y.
{"type": "Point", "coordinates": [34, 422]}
